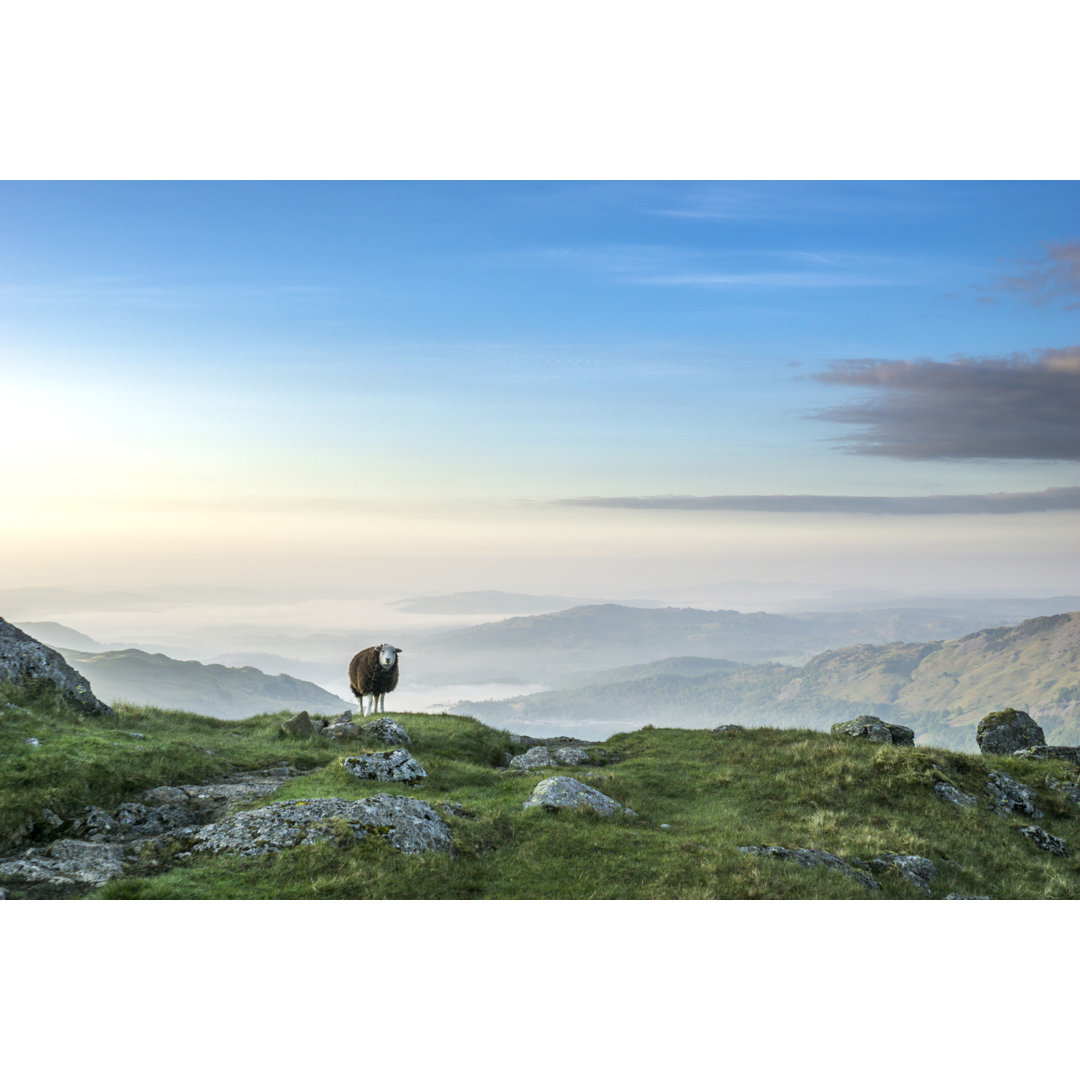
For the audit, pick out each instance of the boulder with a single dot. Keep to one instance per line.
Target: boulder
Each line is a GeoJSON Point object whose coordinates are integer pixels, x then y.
{"type": "Point", "coordinates": [1008, 795]}
{"type": "Point", "coordinates": [944, 790]}
{"type": "Point", "coordinates": [912, 868]}
{"type": "Point", "coordinates": [1070, 754]}
{"type": "Point", "coordinates": [876, 730]}
{"type": "Point", "coordinates": [340, 729]}
{"type": "Point", "coordinates": [393, 766]}
{"type": "Point", "coordinates": [300, 726]}
{"type": "Point", "coordinates": [723, 728]}
{"type": "Point", "coordinates": [386, 731]}
{"type": "Point", "coordinates": [1007, 731]}
{"type": "Point", "coordinates": [810, 857]}
{"type": "Point", "coordinates": [408, 825]}
{"type": "Point", "coordinates": [539, 757]}
{"type": "Point", "coordinates": [1041, 838]}
{"type": "Point", "coordinates": [23, 657]}
{"type": "Point", "coordinates": [66, 862]}
{"type": "Point", "coordinates": [570, 755]}
{"type": "Point", "coordinates": [566, 793]}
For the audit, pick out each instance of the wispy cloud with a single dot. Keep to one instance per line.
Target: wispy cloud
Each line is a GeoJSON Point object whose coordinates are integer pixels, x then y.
{"type": "Point", "coordinates": [1021, 502]}
{"type": "Point", "coordinates": [1002, 409]}
{"type": "Point", "coordinates": [1054, 279]}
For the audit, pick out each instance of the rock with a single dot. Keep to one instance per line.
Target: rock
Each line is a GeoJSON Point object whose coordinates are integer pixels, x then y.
{"type": "Point", "coordinates": [3, 894]}
{"type": "Point", "coordinates": [809, 857]}
{"type": "Point", "coordinates": [386, 731]}
{"type": "Point", "coordinates": [1008, 731]}
{"type": "Point", "coordinates": [142, 820]}
{"type": "Point", "coordinates": [1007, 795]}
{"type": "Point", "coordinates": [1070, 791]}
{"type": "Point", "coordinates": [394, 765]}
{"type": "Point", "coordinates": [1041, 753]}
{"type": "Point", "coordinates": [1041, 838]}
{"type": "Point", "coordinates": [408, 825]}
{"type": "Point", "coordinates": [566, 793]}
{"type": "Point", "coordinates": [32, 742]}
{"type": "Point", "coordinates": [876, 730]}
{"type": "Point", "coordinates": [67, 862]}
{"type": "Point", "coordinates": [727, 727]}
{"type": "Point", "coordinates": [539, 757]}
{"type": "Point", "coordinates": [300, 726]}
{"type": "Point", "coordinates": [913, 868]}
{"type": "Point", "coordinates": [455, 809]}
{"type": "Point", "coordinates": [165, 796]}
{"type": "Point", "coordinates": [341, 730]}
{"type": "Point", "coordinates": [944, 790]}
{"type": "Point", "coordinates": [22, 658]}
{"type": "Point", "coordinates": [960, 896]}
{"type": "Point", "coordinates": [571, 755]}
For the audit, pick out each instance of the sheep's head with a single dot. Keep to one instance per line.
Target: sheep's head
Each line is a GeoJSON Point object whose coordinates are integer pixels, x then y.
{"type": "Point", "coordinates": [388, 656]}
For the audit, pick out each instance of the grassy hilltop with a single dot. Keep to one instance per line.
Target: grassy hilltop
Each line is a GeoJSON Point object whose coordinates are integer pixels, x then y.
{"type": "Point", "coordinates": [716, 791]}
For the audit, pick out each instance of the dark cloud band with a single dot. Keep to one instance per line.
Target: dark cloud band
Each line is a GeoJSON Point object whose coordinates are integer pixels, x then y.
{"type": "Point", "coordinates": [1010, 409]}
{"type": "Point", "coordinates": [1022, 502]}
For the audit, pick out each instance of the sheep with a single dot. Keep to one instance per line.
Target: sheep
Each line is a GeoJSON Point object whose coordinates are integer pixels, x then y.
{"type": "Point", "coordinates": [374, 672]}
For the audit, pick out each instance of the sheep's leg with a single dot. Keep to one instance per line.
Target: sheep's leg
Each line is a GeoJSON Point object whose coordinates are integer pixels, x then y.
{"type": "Point", "coordinates": [382, 703]}
{"type": "Point", "coordinates": [371, 707]}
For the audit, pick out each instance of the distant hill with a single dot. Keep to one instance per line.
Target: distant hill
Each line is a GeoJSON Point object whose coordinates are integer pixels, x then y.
{"type": "Point", "coordinates": [487, 602]}
{"type": "Point", "coordinates": [61, 637]}
{"type": "Point", "coordinates": [940, 688]}
{"type": "Point", "coordinates": [229, 693]}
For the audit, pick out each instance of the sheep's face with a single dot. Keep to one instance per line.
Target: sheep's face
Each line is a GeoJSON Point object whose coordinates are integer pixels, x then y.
{"type": "Point", "coordinates": [388, 656]}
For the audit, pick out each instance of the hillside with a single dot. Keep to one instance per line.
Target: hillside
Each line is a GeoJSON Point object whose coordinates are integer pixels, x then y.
{"type": "Point", "coordinates": [138, 677]}
{"type": "Point", "coordinates": [940, 688]}
{"type": "Point", "coordinates": [710, 812]}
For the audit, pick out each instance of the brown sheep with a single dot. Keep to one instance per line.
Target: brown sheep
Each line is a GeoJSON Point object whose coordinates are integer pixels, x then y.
{"type": "Point", "coordinates": [374, 673]}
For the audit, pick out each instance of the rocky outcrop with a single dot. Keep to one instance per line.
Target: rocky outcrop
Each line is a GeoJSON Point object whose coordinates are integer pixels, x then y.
{"type": "Point", "coordinates": [915, 869]}
{"type": "Point", "coordinates": [723, 729]}
{"type": "Point", "coordinates": [386, 731]}
{"type": "Point", "coordinates": [67, 862]}
{"type": "Point", "coordinates": [566, 793]}
{"type": "Point", "coordinates": [540, 757]}
{"type": "Point", "coordinates": [1042, 839]}
{"type": "Point", "coordinates": [951, 794]}
{"type": "Point", "coordinates": [23, 658]}
{"type": "Point", "coordinates": [810, 857]}
{"type": "Point", "coordinates": [1007, 731]}
{"type": "Point", "coordinates": [876, 730]}
{"type": "Point", "coordinates": [1070, 791]}
{"type": "Point", "coordinates": [408, 825]}
{"type": "Point", "coordinates": [1008, 795]}
{"type": "Point", "coordinates": [1070, 754]}
{"type": "Point", "coordinates": [393, 766]}
{"type": "Point", "coordinates": [340, 729]}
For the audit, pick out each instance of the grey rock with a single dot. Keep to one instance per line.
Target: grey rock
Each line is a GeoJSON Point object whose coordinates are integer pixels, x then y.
{"type": "Point", "coordinates": [3, 894]}
{"type": "Point", "coordinates": [141, 820]}
{"type": "Point", "coordinates": [66, 862]}
{"type": "Point", "coordinates": [300, 726]}
{"type": "Point", "coordinates": [1041, 753]}
{"type": "Point", "coordinates": [960, 896]}
{"type": "Point", "coordinates": [1008, 795]}
{"type": "Point", "coordinates": [344, 729]}
{"type": "Point", "coordinates": [944, 790]}
{"type": "Point", "coordinates": [22, 658]}
{"type": "Point", "coordinates": [408, 825]}
{"type": "Point", "coordinates": [727, 727]}
{"type": "Point", "coordinates": [539, 757]}
{"type": "Point", "coordinates": [32, 742]}
{"type": "Point", "coordinates": [876, 730]}
{"type": "Point", "coordinates": [386, 731]}
{"type": "Point", "coordinates": [566, 793]}
{"type": "Point", "coordinates": [1007, 731]}
{"type": "Point", "coordinates": [915, 869]}
{"type": "Point", "coordinates": [810, 857]}
{"type": "Point", "coordinates": [1070, 791]}
{"type": "Point", "coordinates": [393, 765]}
{"type": "Point", "coordinates": [165, 796]}
{"type": "Point", "coordinates": [570, 755]}
{"type": "Point", "coordinates": [1041, 838]}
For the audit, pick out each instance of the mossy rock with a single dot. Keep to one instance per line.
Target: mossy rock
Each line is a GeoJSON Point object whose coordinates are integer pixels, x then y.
{"type": "Point", "coordinates": [1007, 731]}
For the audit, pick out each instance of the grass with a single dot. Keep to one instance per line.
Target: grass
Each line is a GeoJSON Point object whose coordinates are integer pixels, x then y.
{"type": "Point", "coordinates": [789, 787]}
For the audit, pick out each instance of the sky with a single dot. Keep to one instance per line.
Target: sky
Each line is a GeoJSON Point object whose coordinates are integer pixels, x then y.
{"type": "Point", "coordinates": [615, 387]}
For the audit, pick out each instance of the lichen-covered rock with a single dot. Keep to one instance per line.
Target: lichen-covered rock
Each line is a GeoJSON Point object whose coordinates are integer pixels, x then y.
{"type": "Point", "coordinates": [387, 731]}
{"type": "Point", "coordinates": [960, 896]}
{"type": "Point", "coordinates": [397, 766]}
{"type": "Point", "coordinates": [1041, 838]}
{"type": "Point", "coordinates": [1041, 753]}
{"type": "Point", "coordinates": [539, 757]}
{"type": "Point", "coordinates": [810, 857]}
{"type": "Point", "coordinates": [408, 824]}
{"type": "Point", "coordinates": [724, 728]}
{"type": "Point", "coordinates": [876, 730]}
{"type": "Point", "coordinates": [66, 862]}
{"type": "Point", "coordinates": [300, 726]}
{"type": "Point", "coordinates": [1070, 791]}
{"type": "Point", "coordinates": [951, 794]}
{"type": "Point", "coordinates": [916, 869]}
{"type": "Point", "coordinates": [566, 793]}
{"type": "Point", "coordinates": [570, 755]}
{"type": "Point", "coordinates": [341, 729]}
{"type": "Point", "coordinates": [1008, 795]}
{"type": "Point", "coordinates": [23, 657]}
{"type": "Point", "coordinates": [1007, 731]}
{"type": "Point", "coordinates": [142, 820]}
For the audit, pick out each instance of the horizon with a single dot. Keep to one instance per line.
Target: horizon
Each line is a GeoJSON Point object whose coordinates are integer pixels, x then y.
{"type": "Point", "coordinates": [617, 388]}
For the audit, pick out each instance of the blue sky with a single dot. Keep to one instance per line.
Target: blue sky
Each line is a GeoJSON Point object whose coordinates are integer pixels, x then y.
{"type": "Point", "coordinates": [501, 380]}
